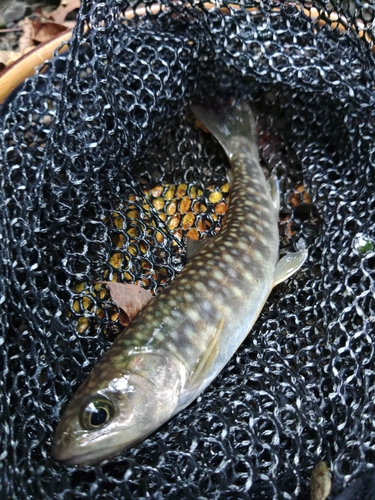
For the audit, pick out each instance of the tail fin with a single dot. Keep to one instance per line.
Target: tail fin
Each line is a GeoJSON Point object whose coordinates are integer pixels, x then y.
{"type": "Point", "coordinates": [231, 122]}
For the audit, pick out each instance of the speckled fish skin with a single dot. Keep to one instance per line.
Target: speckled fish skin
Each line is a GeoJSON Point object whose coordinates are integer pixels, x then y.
{"type": "Point", "coordinates": [183, 338]}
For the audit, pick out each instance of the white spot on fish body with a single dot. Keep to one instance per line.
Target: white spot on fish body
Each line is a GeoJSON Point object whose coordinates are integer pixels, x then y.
{"type": "Point", "coordinates": [202, 272]}
{"type": "Point", "coordinates": [243, 246]}
{"type": "Point", "coordinates": [223, 266]}
{"type": "Point", "coordinates": [264, 240]}
{"type": "Point", "coordinates": [213, 283]}
{"type": "Point", "coordinates": [253, 216]}
{"type": "Point", "coordinates": [207, 307]}
{"type": "Point", "coordinates": [200, 286]}
{"type": "Point", "coordinates": [261, 230]}
{"type": "Point", "coordinates": [218, 275]}
{"type": "Point", "coordinates": [194, 315]}
{"type": "Point", "coordinates": [258, 255]}
{"type": "Point", "coordinates": [172, 302]}
{"type": "Point", "coordinates": [228, 258]}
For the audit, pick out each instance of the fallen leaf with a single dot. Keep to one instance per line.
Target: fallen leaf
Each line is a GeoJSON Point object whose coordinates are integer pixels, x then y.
{"type": "Point", "coordinates": [320, 482]}
{"type": "Point", "coordinates": [45, 31]}
{"type": "Point", "coordinates": [25, 42]}
{"type": "Point", "coordinates": [42, 27]}
{"type": "Point", "coordinates": [131, 299]}
{"type": "Point", "coordinates": [9, 56]}
{"type": "Point", "coordinates": [37, 31]}
{"type": "Point", "coordinates": [66, 7]}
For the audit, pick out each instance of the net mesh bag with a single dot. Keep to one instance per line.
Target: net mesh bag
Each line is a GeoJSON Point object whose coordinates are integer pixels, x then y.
{"type": "Point", "coordinates": [104, 173]}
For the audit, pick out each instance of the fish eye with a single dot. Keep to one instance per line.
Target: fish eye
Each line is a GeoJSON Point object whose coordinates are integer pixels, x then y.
{"type": "Point", "coordinates": [97, 414]}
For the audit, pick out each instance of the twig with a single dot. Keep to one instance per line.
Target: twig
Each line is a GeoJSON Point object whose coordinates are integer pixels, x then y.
{"type": "Point", "coordinates": [9, 30]}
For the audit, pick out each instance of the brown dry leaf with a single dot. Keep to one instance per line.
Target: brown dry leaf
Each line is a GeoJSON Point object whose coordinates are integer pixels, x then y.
{"type": "Point", "coordinates": [37, 31]}
{"type": "Point", "coordinates": [131, 299]}
{"type": "Point", "coordinates": [65, 8]}
{"type": "Point", "coordinates": [41, 28]}
{"type": "Point", "coordinates": [9, 56]}
{"type": "Point", "coordinates": [45, 31]}
{"type": "Point", "coordinates": [25, 42]}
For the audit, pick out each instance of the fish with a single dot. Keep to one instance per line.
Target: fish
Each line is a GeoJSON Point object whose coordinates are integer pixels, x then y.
{"type": "Point", "coordinates": [181, 340]}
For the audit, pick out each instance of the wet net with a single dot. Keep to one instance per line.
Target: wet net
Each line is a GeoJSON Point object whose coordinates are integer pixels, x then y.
{"type": "Point", "coordinates": [104, 172]}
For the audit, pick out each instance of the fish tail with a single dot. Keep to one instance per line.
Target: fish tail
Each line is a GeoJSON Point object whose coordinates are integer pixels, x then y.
{"type": "Point", "coordinates": [231, 122]}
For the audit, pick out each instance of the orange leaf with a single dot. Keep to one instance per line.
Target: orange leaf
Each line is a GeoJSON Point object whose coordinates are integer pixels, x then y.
{"type": "Point", "coordinates": [131, 299]}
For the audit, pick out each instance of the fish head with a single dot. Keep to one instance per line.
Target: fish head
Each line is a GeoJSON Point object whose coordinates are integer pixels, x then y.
{"type": "Point", "coordinates": [113, 410]}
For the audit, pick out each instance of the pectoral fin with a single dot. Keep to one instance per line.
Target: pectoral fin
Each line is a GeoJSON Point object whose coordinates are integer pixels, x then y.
{"type": "Point", "coordinates": [205, 363]}
{"type": "Point", "coordinates": [230, 176]}
{"type": "Point", "coordinates": [274, 187]}
{"type": "Point", "coordinates": [288, 265]}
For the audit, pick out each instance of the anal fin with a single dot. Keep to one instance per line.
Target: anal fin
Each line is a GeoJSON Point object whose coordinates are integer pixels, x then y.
{"type": "Point", "coordinates": [288, 265]}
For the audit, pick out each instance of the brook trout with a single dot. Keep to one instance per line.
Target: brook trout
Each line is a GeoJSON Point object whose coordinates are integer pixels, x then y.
{"type": "Point", "coordinates": [183, 338]}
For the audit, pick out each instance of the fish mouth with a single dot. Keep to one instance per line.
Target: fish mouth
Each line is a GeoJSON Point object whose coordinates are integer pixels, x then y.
{"type": "Point", "coordinates": [83, 459]}
{"type": "Point", "coordinates": [82, 456]}
{"type": "Point", "coordinates": [89, 450]}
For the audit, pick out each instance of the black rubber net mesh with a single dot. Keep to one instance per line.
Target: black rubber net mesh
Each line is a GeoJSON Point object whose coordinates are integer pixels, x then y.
{"type": "Point", "coordinates": [104, 172]}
